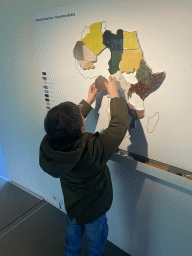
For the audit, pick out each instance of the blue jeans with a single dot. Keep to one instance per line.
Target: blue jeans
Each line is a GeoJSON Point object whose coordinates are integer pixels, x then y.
{"type": "Point", "coordinates": [96, 231]}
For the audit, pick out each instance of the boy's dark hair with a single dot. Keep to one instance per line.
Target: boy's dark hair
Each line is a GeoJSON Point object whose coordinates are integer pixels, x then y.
{"type": "Point", "coordinates": [63, 120]}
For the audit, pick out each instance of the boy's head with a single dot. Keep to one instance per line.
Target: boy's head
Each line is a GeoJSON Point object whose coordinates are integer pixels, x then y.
{"type": "Point", "coordinates": [64, 120]}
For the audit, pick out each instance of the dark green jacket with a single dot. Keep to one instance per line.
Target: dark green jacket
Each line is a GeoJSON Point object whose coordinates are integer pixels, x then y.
{"type": "Point", "coordinates": [81, 165]}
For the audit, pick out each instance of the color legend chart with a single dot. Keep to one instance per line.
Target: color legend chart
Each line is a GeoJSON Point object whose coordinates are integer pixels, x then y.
{"type": "Point", "coordinates": [48, 91]}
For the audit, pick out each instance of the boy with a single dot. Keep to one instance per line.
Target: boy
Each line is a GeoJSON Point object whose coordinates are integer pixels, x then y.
{"type": "Point", "coordinates": [79, 159]}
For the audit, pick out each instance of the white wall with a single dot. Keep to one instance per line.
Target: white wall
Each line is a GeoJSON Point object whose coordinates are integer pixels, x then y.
{"type": "Point", "coordinates": [3, 169]}
{"type": "Point", "coordinates": [148, 216]}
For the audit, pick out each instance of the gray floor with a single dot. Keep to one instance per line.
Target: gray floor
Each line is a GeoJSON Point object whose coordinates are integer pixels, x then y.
{"type": "Point", "coordinates": [30, 226]}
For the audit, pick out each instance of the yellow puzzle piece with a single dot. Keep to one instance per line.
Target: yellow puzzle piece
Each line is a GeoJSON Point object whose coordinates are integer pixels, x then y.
{"type": "Point", "coordinates": [130, 40]}
{"type": "Point", "coordinates": [89, 65]}
{"type": "Point", "coordinates": [94, 39]}
{"type": "Point", "coordinates": [130, 60]}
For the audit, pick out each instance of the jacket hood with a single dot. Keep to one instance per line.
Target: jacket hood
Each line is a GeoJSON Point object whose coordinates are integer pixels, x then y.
{"type": "Point", "coordinates": [52, 160]}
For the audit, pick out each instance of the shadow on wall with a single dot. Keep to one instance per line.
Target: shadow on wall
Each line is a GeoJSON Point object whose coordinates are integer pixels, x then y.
{"type": "Point", "coordinates": [138, 222]}
{"type": "Point", "coordinates": [139, 146]}
{"type": "Point", "coordinates": [92, 118]}
{"type": "Point", "coordinates": [128, 188]}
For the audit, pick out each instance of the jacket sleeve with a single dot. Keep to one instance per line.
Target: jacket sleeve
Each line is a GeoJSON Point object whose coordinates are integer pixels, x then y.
{"type": "Point", "coordinates": [108, 141]}
{"type": "Point", "coordinates": [85, 108]}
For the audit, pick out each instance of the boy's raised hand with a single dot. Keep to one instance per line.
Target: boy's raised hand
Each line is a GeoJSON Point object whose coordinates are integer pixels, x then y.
{"type": "Point", "coordinates": [112, 87]}
{"type": "Point", "coordinates": [92, 94]}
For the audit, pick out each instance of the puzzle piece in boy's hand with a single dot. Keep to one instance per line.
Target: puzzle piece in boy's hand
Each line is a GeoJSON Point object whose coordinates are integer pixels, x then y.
{"type": "Point", "coordinates": [123, 85]}
{"type": "Point", "coordinates": [99, 83]}
{"type": "Point", "coordinates": [120, 79]}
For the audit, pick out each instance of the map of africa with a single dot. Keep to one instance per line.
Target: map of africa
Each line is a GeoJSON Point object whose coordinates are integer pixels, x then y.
{"type": "Point", "coordinates": [126, 58]}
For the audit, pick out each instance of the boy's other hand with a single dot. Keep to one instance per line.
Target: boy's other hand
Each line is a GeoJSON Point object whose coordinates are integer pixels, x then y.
{"type": "Point", "coordinates": [92, 94]}
{"type": "Point", "coordinates": [112, 87]}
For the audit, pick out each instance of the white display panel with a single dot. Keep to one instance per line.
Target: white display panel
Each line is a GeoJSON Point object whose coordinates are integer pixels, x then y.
{"type": "Point", "coordinates": [164, 33]}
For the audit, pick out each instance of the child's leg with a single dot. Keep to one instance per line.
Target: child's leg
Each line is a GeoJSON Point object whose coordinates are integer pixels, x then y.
{"type": "Point", "coordinates": [74, 238]}
{"type": "Point", "coordinates": [97, 232]}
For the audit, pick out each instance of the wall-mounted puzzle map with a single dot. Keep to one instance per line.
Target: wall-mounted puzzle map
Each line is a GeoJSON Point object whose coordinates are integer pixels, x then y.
{"type": "Point", "coordinates": [126, 57]}
{"type": "Point", "coordinates": [147, 47]}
